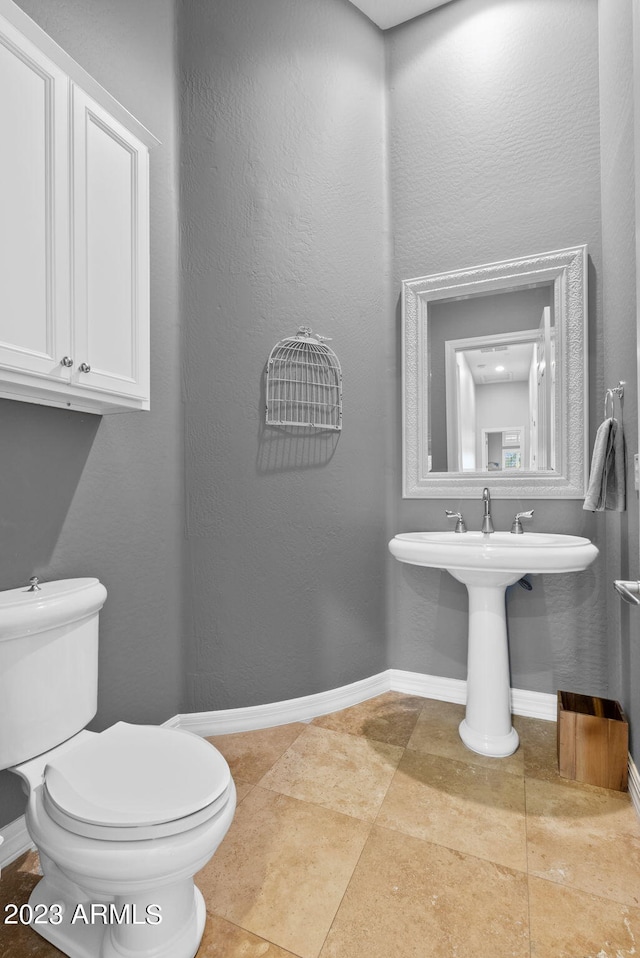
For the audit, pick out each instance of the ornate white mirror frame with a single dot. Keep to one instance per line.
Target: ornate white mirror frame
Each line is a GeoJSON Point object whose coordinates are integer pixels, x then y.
{"type": "Point", "coordinates": [565, 271]}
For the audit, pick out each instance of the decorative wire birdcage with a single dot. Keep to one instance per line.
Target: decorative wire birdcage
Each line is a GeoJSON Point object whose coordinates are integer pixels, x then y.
{"type": "Point", "coordinates": [304, 383]}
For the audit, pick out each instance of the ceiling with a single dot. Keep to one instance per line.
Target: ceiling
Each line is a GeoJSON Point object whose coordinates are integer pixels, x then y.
{"type": "Point", "coordinates": [388, 13]}
{"type": "Point", "coordinates": [502, 363]}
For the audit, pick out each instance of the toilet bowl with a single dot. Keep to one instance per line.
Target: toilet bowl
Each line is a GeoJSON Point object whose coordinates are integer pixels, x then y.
{"type": "Point", "coordinates": [122, 819]}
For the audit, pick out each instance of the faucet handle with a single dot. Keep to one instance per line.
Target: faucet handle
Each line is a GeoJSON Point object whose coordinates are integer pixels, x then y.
{"type": "Point", "coordinates": [460, 523]}
{"type": "Point", "coordinates": [516, 527]}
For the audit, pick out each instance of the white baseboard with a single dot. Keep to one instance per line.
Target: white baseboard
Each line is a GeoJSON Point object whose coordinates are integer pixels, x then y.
{"type": "Point", "coordinates": [534, 704]}
{"type": "Point", "coordinates": [634, 785]}
{"type": "Point", "coordinates": [428, 686]}
{"type": "Point", "coordinates": [540, 705]}
{"type": "Point", "coordinates": [282, 713]}
{"type": "Point", "coordinates": [14, 841]}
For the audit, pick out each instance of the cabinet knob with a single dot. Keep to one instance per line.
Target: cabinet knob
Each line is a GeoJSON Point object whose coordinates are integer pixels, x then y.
{"type": "Point", "coordinates": [84, 368]}
{"type": "Point", "coordinates": [66, 361]}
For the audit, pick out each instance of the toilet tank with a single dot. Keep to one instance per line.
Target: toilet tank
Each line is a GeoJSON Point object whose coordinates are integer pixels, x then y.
{"type": "Point", "coordinates": [48, 665]}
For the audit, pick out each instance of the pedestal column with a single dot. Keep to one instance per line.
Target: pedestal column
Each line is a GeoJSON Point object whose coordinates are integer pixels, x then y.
{"type": "Point", "coordinates": [487, 727]}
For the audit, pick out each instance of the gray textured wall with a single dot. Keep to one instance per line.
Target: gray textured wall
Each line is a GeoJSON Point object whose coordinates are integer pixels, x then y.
{"type": "Point", "coordinates": [619, 311]}
{"type": "Point", "coordinates": [85, 495]}
{"type": "Point", "coordinates": [283, 223]}
{"type": "Point", "coordinates": [495, 153]}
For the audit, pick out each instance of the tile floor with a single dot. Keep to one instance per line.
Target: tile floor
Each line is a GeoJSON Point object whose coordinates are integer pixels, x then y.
{"type": "Point", "coordinates": [374, 833]}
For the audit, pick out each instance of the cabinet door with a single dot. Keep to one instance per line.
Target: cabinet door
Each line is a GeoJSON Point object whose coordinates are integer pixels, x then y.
{"type": "Point", "coordinates": [110, 250]}
{"type": "Point", "coordinates": [34, 205]}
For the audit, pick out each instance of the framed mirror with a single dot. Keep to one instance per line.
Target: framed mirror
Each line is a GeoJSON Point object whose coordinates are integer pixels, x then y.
{"type": "Point", "coordinates": [495, 380]}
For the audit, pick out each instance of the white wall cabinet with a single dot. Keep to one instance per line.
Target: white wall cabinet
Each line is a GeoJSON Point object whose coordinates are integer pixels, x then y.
{"type": "Point", "coordinates": [74, 231]}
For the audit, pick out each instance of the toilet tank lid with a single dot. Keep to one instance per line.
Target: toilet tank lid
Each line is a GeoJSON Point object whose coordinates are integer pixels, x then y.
{"type": "Point", "coordinates": [25, 612]}
{"type": "Point", "coordinates": [137, 775]}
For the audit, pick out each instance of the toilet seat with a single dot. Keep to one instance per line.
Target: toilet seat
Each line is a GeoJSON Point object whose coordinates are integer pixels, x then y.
{"type": "Point", "coordinates": [133, 782]}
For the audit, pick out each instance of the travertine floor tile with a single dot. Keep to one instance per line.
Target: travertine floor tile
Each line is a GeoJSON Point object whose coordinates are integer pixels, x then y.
{"type": "Point", "coordinates": [18, 878]}
{"type": "Point", "coordinates": [475, 810]}
{"type": "Point", "coordinates": [566, 923]}
{"type": "Point", "coordinates": [222, 939]}
{"type": "Point", "coordinates": [538, 746]}
{"type": "Point", "coordinates": [16, 884]}
{"type": "Point", "coordinates": [282, 869]}
{"type": "Point", "coordinates": [586, 838]}
{"type": "Point", "coordinates": [242, 789]}
{"type": "Point", "coordinates": [251, 754]}
{"type": "Point", "coordinates": [439, 875]}
{"type": "Point", "coordinates": [414, 899]}
{"type": "Point", "coordinates": [436, 733]}
{"type": "Point", "coordinates": [347, 773]}
{"type": "Point", "coordinates": [389, 718]}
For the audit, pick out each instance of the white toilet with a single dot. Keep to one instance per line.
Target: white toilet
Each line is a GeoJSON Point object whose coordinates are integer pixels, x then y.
{"type": "Point", "coordinates": [122, 819]}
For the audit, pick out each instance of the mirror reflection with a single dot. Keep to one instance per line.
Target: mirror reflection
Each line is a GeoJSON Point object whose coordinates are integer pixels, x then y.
{"type": "Point", "coordinates": [491, 382]}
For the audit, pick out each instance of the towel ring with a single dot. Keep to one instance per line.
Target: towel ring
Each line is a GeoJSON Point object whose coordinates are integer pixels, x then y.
{"type": "Point", "coordinates": [608, 402]}
{"type": "Point", "coordinates": [609, 399]}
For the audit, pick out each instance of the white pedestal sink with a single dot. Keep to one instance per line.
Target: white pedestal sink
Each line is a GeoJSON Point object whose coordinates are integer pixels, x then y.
{"type": "Point", "coordinates": [487, 564]}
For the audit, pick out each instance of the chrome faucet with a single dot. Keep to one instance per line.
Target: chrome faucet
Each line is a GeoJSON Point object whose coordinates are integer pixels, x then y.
{"type": "Point", "coordinates": [516, 527]}
{"type": "Point", "coordinates": [487, 524]}
{"type": "Point", "coordinates": [461, 525]}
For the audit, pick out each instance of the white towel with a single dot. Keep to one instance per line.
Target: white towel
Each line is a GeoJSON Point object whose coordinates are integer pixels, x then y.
{"type": "Point", "coordinates": [608, 479]}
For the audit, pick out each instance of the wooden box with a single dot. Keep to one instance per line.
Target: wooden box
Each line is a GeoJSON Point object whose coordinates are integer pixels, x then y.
{"type": "Point", "coordinates": [593, 740]}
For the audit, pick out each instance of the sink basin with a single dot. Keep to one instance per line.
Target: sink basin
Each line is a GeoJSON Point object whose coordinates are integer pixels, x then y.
{"type": "Point", "coordinates": [487, 564]}
{"type": "Point", "coordinates": [496, 556]}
